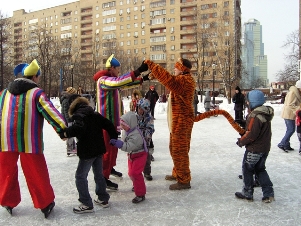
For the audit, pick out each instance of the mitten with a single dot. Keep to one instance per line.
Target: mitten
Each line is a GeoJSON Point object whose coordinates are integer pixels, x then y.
{"type": "Point", "coordinates": [116, 143]}
{"type": "Point", "coordinates": [143, 67]}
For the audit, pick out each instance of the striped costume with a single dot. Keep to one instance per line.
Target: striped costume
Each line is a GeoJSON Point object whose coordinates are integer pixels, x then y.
{"type": "Point", "coordinates": [109, 105]}
{"type": "Point", "coordinates": [23, 108]}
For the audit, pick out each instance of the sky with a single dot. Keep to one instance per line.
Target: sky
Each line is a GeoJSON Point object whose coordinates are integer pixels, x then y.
{"type": "Point", "coordinates": [215, 163]}
{"type": "Point", "coordinates": [278, 18]}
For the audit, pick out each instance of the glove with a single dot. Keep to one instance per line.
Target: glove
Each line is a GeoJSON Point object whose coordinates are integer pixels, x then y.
{"type": "Point", "coordinates": [143, 67]}
{"type": "Point", "coordinates": [238, 143]}
{"type": "Point", "coordinates": [116, 143]}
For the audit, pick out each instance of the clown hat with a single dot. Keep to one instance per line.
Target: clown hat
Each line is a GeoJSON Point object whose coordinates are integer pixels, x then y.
{"type": "Point", "coordinates": [28, 70]}
{"type": "Point", "coordinates": [112, 62]}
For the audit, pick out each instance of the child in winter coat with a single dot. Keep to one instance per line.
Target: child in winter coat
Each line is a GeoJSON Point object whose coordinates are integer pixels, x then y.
{"type": "Point", "coordinates": [88, 127]}
{"type": "Point", "coordinates": [146, 125]}
{"type": "Point", "coordinates": [135, 145]}
{"type": "Point", "coordinates": [257, 140]}
{"type": "Point", "coordinates": [298, 125]}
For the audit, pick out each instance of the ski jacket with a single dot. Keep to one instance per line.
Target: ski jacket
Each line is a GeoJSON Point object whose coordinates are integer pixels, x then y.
{"type": "Point", "coordinates": [258, 130]}
{"type": "Point", "coordinates": [23, 108]}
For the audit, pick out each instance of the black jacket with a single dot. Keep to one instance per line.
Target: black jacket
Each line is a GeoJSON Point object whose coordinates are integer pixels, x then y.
{"type": "Point", "coordinates": [152, 96]}
{"type": "Point", "coordinates": [87, 128]}
{"type": "Point", "coordinates": [239, 101]}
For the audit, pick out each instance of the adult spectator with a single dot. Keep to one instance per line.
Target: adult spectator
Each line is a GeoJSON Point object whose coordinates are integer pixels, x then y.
{"type": "Point", "coordinates": [239, 103]}
{"type": "Point", "coordinates": [152, 96]}
{"type": "Point", "coordinates": [291, 105]}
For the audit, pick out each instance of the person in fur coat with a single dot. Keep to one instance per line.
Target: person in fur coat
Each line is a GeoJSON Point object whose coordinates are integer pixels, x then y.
{"type": "Point", "coordinates": [87, 127]}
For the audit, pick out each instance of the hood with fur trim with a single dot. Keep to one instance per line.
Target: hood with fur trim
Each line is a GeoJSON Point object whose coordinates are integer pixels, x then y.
{"type": "Point", "coordinates": [80, 106]}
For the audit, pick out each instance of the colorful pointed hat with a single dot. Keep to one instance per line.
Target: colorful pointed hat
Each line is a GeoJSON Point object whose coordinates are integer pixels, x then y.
{"type": "Point", "coordinates": [27, 70]}
{"type": "Point", "coordinates": [112, 62]}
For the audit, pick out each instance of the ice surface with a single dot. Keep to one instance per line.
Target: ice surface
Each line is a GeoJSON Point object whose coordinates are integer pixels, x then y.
{"type": "Point", "coordinates": [215, 165]}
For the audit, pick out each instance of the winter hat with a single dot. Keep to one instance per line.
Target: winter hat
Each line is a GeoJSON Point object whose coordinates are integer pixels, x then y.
{"type": "Point", "coordinates": [144, 104]}
{"type": "Point", "coordinates": [237, 88]}
{"type": "Point", "coordinates": [71, 90]}
{"type": "Point", "coordinates": [152, 87]}
{"type": "Point", "coordinates": [298, 84]}
{"type": "Point", "coordinates": [112, 62]}
{"type": "Point", "coordinates": [255, 98]}
{"type": "Point", "coordinates": [28, 70]}
{"type": "Point", "coordinates": [72, 98]}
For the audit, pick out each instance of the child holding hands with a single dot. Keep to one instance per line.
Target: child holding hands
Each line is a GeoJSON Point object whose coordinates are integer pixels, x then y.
{"type": "Point", "coordinates": [135, 145]}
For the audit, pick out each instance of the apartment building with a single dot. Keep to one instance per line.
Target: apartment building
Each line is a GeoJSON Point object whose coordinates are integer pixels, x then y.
{"type": "Point", "coordinates": [161, 30]}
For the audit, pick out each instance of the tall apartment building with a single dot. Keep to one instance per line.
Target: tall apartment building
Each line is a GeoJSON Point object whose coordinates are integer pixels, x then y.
{"type": "Point", "coordinates": [254, 61]}
{"type": "Point", "coordinates": [161, 30]}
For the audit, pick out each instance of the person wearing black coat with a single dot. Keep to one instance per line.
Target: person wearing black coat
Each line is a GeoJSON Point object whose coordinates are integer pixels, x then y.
{"type": "Point", "coordinates": [152, 96]}
{"type": "Point", "coordinates": [87, 127]}
{"type": "Point", "coordinates": [239, 102]}
{"type": "Point", "coordinates": [70, 142]}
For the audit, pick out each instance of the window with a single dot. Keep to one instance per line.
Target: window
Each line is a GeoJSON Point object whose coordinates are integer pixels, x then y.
{"type": "Point", "coordinates": [143, 41]}
{"type": "Point", "coordinates": [226, 4]}
{"type": "Point", "coordinates": [172, 38]}
{"type": "Point", "coordinates": [128, 42]}
{"type": "Point", "coordinates": [121, 43]}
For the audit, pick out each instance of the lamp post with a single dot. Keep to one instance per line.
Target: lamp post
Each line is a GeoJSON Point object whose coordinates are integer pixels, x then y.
{"type": "Point", "coordinates": [213, 80]}
{"type": "Point", "coordinates": [72, 66]}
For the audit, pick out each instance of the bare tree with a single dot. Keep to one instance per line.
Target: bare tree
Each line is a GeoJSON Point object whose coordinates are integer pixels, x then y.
{"type": "Point", "coordinates": [6, 64]}
{"type": "Point", "coordinates": [290, 72]}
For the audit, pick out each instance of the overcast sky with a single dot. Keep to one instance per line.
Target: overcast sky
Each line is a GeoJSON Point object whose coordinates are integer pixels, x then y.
{"type": "Point", "coordinates": [278, 18]}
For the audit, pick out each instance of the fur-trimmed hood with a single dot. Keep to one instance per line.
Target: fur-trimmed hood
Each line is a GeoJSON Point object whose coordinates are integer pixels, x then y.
{"type": "Point", "coordinates": [80, 106]}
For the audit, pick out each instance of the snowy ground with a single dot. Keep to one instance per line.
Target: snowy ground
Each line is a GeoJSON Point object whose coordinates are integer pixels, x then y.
{"type": "Point", "coordinates": [215, 165]}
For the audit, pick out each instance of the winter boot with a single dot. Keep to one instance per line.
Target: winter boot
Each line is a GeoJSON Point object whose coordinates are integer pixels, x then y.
{"type": "Point", "coordinates": [179, 186]}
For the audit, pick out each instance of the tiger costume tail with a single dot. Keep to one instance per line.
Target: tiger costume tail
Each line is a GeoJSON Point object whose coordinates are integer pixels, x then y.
{"type": "Point", "coordinates": [230, 119]}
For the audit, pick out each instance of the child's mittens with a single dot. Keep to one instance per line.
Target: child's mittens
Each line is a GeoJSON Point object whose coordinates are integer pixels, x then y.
{"type": "Point", "coordinates": [116, 143]}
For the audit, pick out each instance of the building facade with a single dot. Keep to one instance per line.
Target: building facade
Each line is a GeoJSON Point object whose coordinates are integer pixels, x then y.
{"type": "Point", "coordinates": [207, 32]}
{"type": "Point", "coordinates": [254, 61]}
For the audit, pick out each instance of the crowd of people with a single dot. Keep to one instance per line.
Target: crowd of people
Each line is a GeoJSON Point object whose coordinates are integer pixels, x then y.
{"type": "Point", "coordinates": [95, 135]}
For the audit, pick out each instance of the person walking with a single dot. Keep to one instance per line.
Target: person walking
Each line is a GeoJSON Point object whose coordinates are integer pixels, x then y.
{"type": "Point", "coordinates": [152, 96]}
{"type": "Point", "coordinates": [180, 117]}
{"type": "Point", "coordinates": [257, 141]}
{"type": "Point", "coordinates": [291, 105]}
{"type": "Point", "coordinates": [134, 144]}
{"type": "Point", "coordinates": [87, 126]}
{"type": "Point", "coordinates": [23, 108]}
{"type": "Point", "coordinates": [70, 142]}
{"type": "Point", "coordinates": [239, 103]}
{"type": "Point", "coordinates": [109, 105]}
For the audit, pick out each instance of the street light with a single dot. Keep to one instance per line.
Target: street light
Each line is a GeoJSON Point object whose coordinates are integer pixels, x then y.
{"type": "Point", "coordinates": [213, 79]}
{"type": "Point", "coordinates": [72, 66]}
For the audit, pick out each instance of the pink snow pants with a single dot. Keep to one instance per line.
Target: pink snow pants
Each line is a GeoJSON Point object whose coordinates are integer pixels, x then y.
{"type": "Point", "coordinates": [136, 163]}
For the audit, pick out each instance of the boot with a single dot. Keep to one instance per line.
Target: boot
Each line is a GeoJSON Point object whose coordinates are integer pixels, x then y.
{"type": "Point", "coordinates": [47, 210]}
{"type": "Point", "coordinates": [9, 209]}
{"type": "Point", "coordinates": [179, 186]}
{"type": "Point", "coordinates": [240, 195]}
